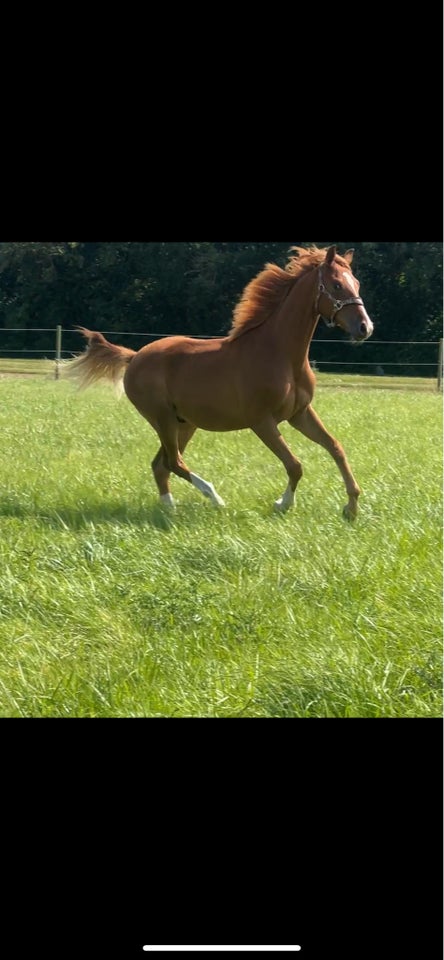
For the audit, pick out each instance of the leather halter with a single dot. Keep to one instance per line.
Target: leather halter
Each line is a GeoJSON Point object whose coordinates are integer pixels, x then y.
{"type": "Point", "coordinates": [337, 304]}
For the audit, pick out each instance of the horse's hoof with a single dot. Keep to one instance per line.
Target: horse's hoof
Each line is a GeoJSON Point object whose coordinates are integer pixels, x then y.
{"type": "Point", "coordinates": [281, 507]}
{"type": "Point", "coordinates": [167, 500]}
{"type": "Point", "coordinates": [214, 498]}
{"type": "Point", "coordinates": [349, 514]}
{"type": "Point", "coordinates": [209, 492]}
{"type": "Point", "coordinates": [285, 502]}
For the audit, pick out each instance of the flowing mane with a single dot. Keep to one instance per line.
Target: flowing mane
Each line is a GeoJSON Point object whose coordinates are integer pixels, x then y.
{"type": "Point", "coordinates": [266, 292]}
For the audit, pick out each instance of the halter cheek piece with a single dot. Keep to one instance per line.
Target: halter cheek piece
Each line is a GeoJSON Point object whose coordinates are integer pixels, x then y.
{"type": "Point", "coordinates": [337, 304]}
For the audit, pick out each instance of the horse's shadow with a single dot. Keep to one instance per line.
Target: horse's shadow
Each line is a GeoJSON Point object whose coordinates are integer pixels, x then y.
{"type": "Point", "coordinates": [86, 515]}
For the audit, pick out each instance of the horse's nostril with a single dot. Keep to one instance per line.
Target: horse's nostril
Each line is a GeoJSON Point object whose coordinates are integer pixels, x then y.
{"type": "Point", "coordinates": [363, 328]}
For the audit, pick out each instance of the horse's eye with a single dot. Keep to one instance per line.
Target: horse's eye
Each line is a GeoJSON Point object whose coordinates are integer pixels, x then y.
{"type": "Point", "coordinates": [337, 286]}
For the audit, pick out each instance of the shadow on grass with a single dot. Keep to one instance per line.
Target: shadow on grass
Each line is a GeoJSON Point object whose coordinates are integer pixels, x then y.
{"type": "Point", "coordinates": [119, 513]}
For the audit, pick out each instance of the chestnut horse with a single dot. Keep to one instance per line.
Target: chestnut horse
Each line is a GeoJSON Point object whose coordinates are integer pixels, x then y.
{"type": "Point", "coordinates": [256, 377]}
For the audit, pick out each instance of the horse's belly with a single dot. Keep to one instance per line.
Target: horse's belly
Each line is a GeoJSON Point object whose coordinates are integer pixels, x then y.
{"type": "Point", "coordinates": [239, 409]}
{"type": "Point", "coordinates": [206, 414]}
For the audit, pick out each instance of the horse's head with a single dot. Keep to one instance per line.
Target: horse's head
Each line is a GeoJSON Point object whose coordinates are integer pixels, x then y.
{"type": "Point", "coordinates": [338, 301]}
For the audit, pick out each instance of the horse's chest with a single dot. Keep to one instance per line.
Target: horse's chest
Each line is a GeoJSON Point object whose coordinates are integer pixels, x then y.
{"type": "Point", "coordinates": [296, 398]}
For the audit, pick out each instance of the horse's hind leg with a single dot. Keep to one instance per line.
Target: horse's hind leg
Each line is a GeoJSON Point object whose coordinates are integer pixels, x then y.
{"type": "Point", "coordinates": [162, 478]}
{"type": "Point", "coordinates": [161, 471]}
{"type": "Point", "coordinates": [174, 441]}
{"type": "Point", "coordinates": [309, 424]}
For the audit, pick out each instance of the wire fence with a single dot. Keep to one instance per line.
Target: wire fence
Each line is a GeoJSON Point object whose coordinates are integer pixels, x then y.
{"type": "Point", "coordinates": [58, 343]}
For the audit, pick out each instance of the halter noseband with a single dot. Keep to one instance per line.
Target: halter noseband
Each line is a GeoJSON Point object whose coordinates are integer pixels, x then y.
{"type": "Point", "coordinates": [337, 304]}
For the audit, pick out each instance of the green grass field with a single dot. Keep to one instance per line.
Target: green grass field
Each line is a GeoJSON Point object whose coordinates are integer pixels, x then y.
{"type": "Point", "coordinates": [111, 607]}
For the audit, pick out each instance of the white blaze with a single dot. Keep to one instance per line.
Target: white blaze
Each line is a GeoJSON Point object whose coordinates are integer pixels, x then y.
{"type": "Point", "coordinates": [351, 281]}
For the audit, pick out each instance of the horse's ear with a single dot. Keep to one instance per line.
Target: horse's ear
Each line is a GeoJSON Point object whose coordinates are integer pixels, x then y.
{"type": "Point", "coordinates": [331, 253]}
{"type": "Point", "coordinates": [348, 256]}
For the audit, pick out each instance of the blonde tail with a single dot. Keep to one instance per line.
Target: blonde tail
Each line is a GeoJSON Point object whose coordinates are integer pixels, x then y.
{"type": "Point", "coordinates": [101, 361]}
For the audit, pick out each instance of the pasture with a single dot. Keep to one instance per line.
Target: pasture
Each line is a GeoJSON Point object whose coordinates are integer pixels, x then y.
{"type": "Point", "coordinates": [112, 607]}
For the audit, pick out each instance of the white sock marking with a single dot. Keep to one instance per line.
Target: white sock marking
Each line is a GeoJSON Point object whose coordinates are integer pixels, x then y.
{"type": "Point", "coordinates": [207, 489]}
{"type": "Point", "coordinates": [168, 500]}
{"type": "Point", "coordinates": [286, 501]}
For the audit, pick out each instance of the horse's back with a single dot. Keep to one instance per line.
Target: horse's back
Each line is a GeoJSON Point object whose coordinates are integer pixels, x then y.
{"type": "Point", "coordinates": [165, 359]}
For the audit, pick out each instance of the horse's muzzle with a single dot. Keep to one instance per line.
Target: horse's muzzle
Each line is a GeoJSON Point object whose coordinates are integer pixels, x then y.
{"type": "Point", "coordinates": [366, 329]}
{"type": "Point", "coordinates": [362, 328]}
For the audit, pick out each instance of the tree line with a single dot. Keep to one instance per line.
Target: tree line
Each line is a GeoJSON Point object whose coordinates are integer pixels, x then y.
{"type": "Point", "coordinates": [192, 288]}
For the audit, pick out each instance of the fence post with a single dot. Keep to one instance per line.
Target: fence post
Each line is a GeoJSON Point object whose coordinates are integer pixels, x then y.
{"type": "Point", "coordinates": [58, 351]}
{"type": "Point", "coordinates": [440, 364]}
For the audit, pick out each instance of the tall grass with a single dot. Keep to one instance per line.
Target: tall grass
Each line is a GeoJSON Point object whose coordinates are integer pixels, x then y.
{"type": "Point", "coordinates": [111, 607]}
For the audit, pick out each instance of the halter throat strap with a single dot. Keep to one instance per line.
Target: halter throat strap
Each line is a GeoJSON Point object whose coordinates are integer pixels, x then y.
{"type": "Point", "coordinates": [337, 304]}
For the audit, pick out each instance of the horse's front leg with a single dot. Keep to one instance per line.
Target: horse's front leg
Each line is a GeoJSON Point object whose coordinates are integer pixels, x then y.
{"type": "Point", "coordinates": [309, 424]}
{"type": "Point", "coordinates": [268, 432]}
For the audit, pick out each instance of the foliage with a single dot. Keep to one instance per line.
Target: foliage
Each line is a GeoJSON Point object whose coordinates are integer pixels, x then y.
{"type": "Point", "coordinates": [157, 288]}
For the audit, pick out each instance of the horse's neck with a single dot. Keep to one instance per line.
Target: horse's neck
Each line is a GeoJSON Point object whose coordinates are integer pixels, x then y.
{"type": "Point", "coordinates": [295, 323]}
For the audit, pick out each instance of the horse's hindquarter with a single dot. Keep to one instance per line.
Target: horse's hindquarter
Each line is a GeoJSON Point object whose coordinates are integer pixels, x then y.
{"type": "Point", "coordinates": [213, 384]}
